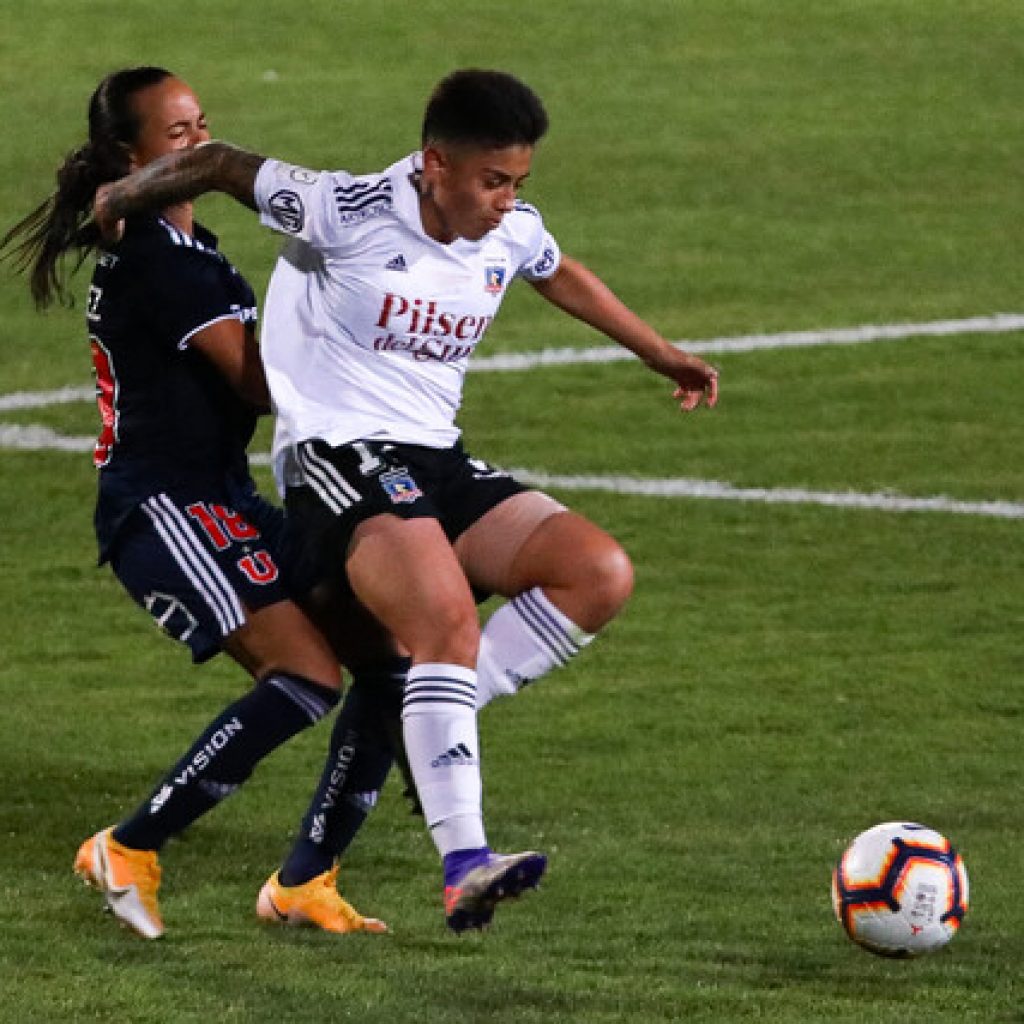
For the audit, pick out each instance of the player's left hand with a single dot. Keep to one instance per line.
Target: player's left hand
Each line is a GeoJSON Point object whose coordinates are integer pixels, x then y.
{"type": "Point", "coordinates": [697, 380]}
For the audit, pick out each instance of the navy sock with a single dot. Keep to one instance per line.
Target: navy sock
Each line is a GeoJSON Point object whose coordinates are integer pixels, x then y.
{"type": "Point", "coordinates": [224, 756]}
{"type": "Point", "coordinates": [358, 762]}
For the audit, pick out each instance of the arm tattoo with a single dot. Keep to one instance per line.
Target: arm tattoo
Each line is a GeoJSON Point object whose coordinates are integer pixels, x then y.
{"type": "Point", "coordinates": [214, 167]}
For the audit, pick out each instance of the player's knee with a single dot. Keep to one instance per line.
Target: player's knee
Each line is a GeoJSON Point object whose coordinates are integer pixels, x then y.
{"type": "Point", "coordinates": [607, 583]}
{"type": "Point", "coordinates": [452, 636]}
{"type": "Point", "coordinates": [279, 637]}
{"type": "Point", "coordinates": [464, 637]}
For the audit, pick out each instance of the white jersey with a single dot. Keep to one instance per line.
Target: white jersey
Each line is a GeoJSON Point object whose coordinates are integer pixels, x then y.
{"type": "Point", "coordinates": [369, 323]}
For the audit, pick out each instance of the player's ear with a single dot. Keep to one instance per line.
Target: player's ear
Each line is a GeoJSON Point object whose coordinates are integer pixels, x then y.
{"type": "Point", "coordinates": [435, 161]}
{"type": "Point", "coordinates": [133, 160]}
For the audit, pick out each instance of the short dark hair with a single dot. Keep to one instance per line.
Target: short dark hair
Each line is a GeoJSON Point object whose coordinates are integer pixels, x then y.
{"type": "Point", "coordinates": [490, 109]}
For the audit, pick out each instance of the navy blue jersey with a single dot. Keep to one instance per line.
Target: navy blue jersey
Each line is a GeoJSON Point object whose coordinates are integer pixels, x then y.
{"type": "Point", "coordinates": [169, 417]}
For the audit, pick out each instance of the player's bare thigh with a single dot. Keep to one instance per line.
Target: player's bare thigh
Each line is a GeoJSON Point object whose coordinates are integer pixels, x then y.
{"type": "Point", "coordinates": [532, 540]}
{"type": "Point", "coordinates": [487, 550]}
{"type": "Point", "coordinates": [281, 637]}
{"type": "Point", "coordinates": [405, 573]}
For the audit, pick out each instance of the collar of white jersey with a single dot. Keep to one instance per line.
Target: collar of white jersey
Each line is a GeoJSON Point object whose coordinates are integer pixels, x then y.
{"type": "Point", "coordinates": [406, 196]}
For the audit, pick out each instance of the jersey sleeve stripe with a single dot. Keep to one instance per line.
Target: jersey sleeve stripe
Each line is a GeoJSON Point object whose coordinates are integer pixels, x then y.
{"type": "Point", "coordinates": [353, 203]}
{"type": "Point", "coordinates": [356, 189]}
{"type": "Point", "coordinates": [186, 338]}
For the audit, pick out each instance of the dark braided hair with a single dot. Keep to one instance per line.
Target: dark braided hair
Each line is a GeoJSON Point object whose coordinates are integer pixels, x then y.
{"type": "Point", "coordinates": [62, 222]}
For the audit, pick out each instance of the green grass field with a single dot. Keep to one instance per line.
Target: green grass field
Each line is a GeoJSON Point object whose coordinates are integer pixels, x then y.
{"type": "Point", "coordinates": [785, 676]}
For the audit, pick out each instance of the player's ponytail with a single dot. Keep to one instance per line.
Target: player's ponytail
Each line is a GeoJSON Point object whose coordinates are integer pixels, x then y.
{"type": "Point", "coordinates": [62, 223]}
{"type": "Point", "coordinates": [58, 225]}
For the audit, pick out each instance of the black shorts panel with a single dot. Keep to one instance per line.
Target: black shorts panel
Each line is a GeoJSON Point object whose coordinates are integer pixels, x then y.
{"type": "Point", "coordinates": [197, 566]}
{"type": "Point", "coordinates": [353, 482]}
{"type": "Point", "coordinates": [470, 489]}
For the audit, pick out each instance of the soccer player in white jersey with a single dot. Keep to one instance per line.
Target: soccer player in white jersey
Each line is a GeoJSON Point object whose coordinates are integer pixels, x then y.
{"type": "Point", "coordinates": [385, 290]}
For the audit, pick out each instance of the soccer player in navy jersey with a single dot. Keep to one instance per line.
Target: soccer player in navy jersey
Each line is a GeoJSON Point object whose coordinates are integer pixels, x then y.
{"type": "Point", "coordinates": [384, 291]}
{"type": "Point", "coordinates": [179, 385]}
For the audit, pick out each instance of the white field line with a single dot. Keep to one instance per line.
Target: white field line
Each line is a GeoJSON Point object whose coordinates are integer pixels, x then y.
{"type": "Point", "coordinates": [885, 501]}
{"type": "Point", "coordinates": [33, 438]}
{"type": "Point", "coordinates": [997, 323]}
{"type": "Point", "coordinates": [41, 399]}
{"type": "Point", "coordinates": [38, 438]}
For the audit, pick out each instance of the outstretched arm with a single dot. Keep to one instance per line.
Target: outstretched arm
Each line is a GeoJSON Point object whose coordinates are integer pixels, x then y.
{"type": "Point", "coordinates": [582, 294]}
{"type": "Point", "coordinates": [175, 178]}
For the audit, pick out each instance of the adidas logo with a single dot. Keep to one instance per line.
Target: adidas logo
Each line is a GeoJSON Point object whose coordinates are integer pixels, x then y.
{"type": "Point", "coordinates": [319, 829]}
{"type": "Point", "coordinates": [517, 680]}
{"type": "Point", "coordinates": [396, 263]}
{"type": "Point", "coordinates": [365, 801]}
{"type": "Point", "coordinates": [159, 799]}
{"type": "Point", "coordinates": [459, 754]}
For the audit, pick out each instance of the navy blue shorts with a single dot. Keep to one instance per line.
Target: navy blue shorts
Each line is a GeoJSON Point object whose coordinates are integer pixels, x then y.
{"type": "Point", "coordinates": [197, 565]}
{"type": "Point", "coordinates": [353, 482]}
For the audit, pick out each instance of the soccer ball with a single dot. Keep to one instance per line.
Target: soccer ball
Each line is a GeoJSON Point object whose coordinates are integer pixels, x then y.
{"type": "Point", "coordinates": [900, 890]}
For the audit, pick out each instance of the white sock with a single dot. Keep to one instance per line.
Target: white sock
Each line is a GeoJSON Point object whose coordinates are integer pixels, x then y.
{"type": "Point", "coordinates": [439, 727]}
{"type": "Point", "coordinates": [522, 641]}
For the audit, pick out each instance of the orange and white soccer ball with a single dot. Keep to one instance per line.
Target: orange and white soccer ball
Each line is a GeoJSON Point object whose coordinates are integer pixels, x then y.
{"type": "Point", "coordinates": [900, 890]}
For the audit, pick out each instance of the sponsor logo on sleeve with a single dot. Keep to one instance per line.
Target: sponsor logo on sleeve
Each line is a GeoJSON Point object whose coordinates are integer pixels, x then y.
{"type": "Point", "coordinates": [247, 314]}
{"type": "Point", "coordinates": [545, 263]}
{"type": "Point", "coordinates": [287, 209]}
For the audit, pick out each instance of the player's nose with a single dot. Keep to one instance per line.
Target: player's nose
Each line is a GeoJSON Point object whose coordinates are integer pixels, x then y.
{"type": "Point", "coordinates": [197, 136]}
{"type": "Point", "coordinates": [506, 200]}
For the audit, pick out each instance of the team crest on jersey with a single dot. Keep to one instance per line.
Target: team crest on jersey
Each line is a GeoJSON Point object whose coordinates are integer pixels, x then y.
{"type": "Point", "coordinates": [171, 615]}
{"type": "Point", "coordinates": [494, 278]}
{"type": "Point", "coordinates": [400, 486]}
